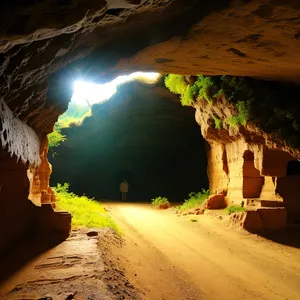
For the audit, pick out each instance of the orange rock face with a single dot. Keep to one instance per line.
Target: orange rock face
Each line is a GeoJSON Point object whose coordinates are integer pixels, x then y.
{"type": "Point", "coordinates": [254, 171]}
{"type": "Point", "coordinates": [40, 192]}
{"type": "Point", "coordinates": [261, 220]}
{"type": "Point", "coordinates": [216, 201]}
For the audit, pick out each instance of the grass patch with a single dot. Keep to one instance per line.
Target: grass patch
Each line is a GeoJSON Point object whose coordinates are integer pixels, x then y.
{"type": "Point", "coordinates": [234, 209]}
{"type": "Point", "coordinates": [85, 212]}
{"type": "Point", "coordinates": [159, 201]}
{"type": "Point", "coordinates": [194, 200]}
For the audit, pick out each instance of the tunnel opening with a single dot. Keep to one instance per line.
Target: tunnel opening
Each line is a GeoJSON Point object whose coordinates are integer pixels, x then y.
{"type": "Point", "coordinates": [142, 134]}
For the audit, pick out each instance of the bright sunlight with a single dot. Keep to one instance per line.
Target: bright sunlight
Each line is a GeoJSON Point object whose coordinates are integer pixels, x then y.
{"type": "Point", "coordinates": [88, 93]}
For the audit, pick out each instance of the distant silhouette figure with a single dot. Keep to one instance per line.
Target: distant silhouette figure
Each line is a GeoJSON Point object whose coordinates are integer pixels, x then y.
{"type": "Point", "coordinates": [124, 189]}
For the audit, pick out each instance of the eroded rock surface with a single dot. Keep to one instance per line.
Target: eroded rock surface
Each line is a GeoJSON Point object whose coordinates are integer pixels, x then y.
{"type": "Point", "coordinates": [251, 167]}
{"type": "Point", "coordinates": [75, 269]}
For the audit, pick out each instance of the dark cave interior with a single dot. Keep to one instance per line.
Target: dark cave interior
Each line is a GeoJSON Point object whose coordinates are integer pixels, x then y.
{"type": "Point", "coordinates": [142, 134]}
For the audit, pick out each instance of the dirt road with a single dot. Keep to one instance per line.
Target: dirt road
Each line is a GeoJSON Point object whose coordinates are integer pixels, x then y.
{"type": "Point", "coordinates": [169, 257]}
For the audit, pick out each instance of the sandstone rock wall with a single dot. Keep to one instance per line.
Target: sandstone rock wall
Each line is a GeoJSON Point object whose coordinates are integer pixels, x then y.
{"type": "Point", "coordinates": [248, 167]}
{"type": "Point", "coordinates": [40, 192]}
{"type": "Point", "coordinates": [16, 211]}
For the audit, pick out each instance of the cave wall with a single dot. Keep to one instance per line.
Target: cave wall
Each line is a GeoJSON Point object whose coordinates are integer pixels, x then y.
{"type": "Point", "coordinates": [251, 169]}
{"type": "Point", "coordinates": [24, 183]}
{"type": "Point", "coordinates": [17, 212]}
{"type": "Point", "coordinates": [142, 134]}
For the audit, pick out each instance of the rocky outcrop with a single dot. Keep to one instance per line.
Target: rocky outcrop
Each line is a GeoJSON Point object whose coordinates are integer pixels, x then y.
{"type": "Point", "coordinates": [261, 220]}
{"type": "Point", "coordinates": [40, 192]}
{"type": "Point", "coordinates": [20, 218]}
{"type": "Point", "coordinates": [251, 167]}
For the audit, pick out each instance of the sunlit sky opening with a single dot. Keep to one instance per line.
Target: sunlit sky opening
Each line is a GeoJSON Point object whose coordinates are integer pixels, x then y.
{"type": "Point", "coordinates": [88, 93]}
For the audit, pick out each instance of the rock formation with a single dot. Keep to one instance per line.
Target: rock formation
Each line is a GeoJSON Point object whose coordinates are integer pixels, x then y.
{"type": "Point", "coordinates": [252, 168]}
{"type": "Point", "coordinates": [44, 46]}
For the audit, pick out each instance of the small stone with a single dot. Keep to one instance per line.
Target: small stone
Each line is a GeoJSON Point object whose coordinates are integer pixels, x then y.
{"type": "Point", "coordinates": [92, 233]}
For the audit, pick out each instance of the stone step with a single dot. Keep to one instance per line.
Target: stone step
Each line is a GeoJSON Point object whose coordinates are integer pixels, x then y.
{"type": "Point", "coordinates": [261, 220]}
{"type": "Point", "coordinates": [262, 203]}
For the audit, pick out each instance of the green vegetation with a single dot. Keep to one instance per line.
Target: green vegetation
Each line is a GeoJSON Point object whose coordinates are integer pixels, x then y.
{"type": "Point", "coordinates": [159, 201]}
{"type": "Point", "coordinates": [176, 84]}
{"type": "Point", "coordinates": [72, 117]}
{"type": "Point", "coordinates": [55, 138]}
{"type": "Point", "coordinates": [203, 87]}
{"type": "Point", "coordinates": [218, 122]}
{"type": "Point", "coordinates": [85, 212]}
{"type": "Point", "coordinates": [235, 89]}
{"type": "Point", "coordinates": [233, 209]}
{"type": "Point", "coordinates": [195, 200]}
{"type": "Point", "coordinates": [271, 106]}
{"type": "Point", "coordinates": [242, 117]}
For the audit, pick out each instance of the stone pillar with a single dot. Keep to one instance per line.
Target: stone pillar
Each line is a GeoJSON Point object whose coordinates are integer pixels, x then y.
{"type": "Point", "coordinates": [40, 192]}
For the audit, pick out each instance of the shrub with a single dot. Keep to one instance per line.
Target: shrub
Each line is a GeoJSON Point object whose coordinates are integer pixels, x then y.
{"type": "Point", "coordinates": [243, 114]}
{"type": "Point", "coordinates": [160, 201]}
{"type": "Point", "coordinates": [176, 83]}
{"type": "Point", "coordinates": [194, 200]}
{"type": "Point", "coordinates": [207, 87]}
{"type": "Point", "coordinates": [233, 209]}
{"type": "Point", "coordinates": [218, 122]}
{"type": "Point", "coordinates": [85, 212]}
{"type": "Point", "coordinates": [55, 138]}
{"type": "Point", "coordinates": [187, 98]}
{"type": "Point", "coordinates": [204, 87]}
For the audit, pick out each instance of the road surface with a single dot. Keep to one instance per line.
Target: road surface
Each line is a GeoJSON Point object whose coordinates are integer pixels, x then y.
{"type": "Point", "coordinates": [170, 257]}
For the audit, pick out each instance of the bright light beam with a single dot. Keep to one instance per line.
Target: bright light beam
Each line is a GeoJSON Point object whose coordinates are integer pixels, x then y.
{"type": "Point", "coordinates": [88, 93]}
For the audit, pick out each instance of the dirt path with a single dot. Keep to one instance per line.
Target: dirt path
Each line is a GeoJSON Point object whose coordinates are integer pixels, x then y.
{"type": "Point", "coordinates": [169, 257]}
{"type": "Point", "coordinates": [75, 269]}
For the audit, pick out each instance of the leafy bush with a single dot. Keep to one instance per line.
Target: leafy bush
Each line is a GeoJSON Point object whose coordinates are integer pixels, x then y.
{"type": "Point", "coordinates": [176, 83]}
{"type": "Point", "coordinates": [72, 117]}
{"type": "Point", "coordinates": [204, 87]}
{"type": "Point", "coordinates": [85, 212]}
{"type": "Point", "coordinates": [159, 201]}
{"type": "Point", "coordinates": [233, 209]}
{"type": "Point", "coordinates": [55, 138]}
{"type": "Point", "coordinates": [194, 200]}
{"type": "Point", "coordinates": [208, 87]}
{"type": "Point", "coordinates": [243, 114]}
{"type": "Point", "coordinates": [187, 98]}
{"type": "Point", "coordinates": [218, 122]}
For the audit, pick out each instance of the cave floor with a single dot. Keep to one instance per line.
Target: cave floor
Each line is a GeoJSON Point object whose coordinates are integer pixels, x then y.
{"type": "Point", "coordinates": [74, 269]}
{"type": "Point", "coordinates": [169, 257]}
{"type": "Point", "coordinates": [160, 256]}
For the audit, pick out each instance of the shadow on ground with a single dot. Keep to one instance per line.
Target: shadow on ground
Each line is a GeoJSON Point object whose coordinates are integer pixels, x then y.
{"type": "Point", "coordinates": [22, 253]}
{"type": "Point", "coordinates": [290, 237]}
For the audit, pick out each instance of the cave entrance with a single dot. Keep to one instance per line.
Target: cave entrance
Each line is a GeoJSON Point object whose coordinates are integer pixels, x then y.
{"type": "Point", "coordinates": [143, 135]}
{"type": "Point", "coordinates": [252, 180]}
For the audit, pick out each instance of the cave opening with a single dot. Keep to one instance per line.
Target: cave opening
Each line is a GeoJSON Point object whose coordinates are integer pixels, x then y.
{"type": "Point", "coordinates": [142, 134]}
